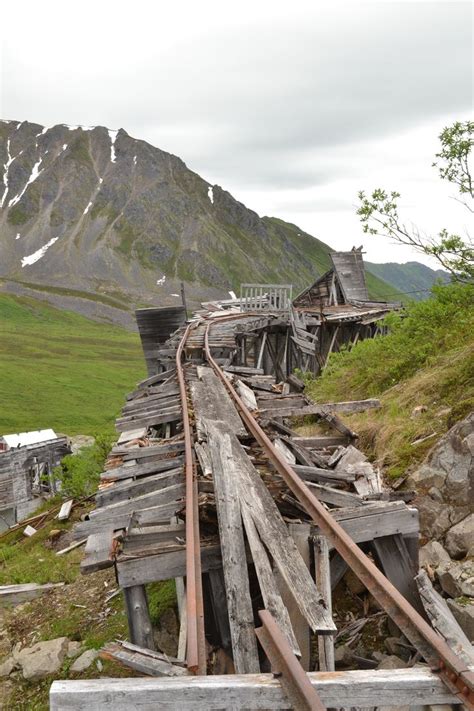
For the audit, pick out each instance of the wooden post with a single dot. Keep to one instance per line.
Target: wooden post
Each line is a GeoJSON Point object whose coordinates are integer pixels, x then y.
{"type": "Point", "coordinates": [139, 623]}
{"type": "Point", "coordinates": [300, 534]}
{"type": "Point", "coordinates": [322, 576]}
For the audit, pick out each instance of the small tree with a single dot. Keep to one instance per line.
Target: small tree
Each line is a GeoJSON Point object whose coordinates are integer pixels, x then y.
{"type": "Point", "coordinates": [379, 211]}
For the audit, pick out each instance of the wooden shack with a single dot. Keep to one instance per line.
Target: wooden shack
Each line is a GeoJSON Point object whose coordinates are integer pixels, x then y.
{"type": "Point", "coordinates": [27, 461]}
{"type": "Point", "coordinates": [334, 311]}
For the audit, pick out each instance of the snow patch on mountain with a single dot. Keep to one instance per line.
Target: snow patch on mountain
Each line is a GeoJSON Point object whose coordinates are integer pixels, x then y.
{"type": "Point", "coordinates": [36, 256]}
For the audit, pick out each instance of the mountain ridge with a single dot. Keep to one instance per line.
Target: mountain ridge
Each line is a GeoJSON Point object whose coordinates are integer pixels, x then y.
{"type": "Point", "coordinates": [96, 211]}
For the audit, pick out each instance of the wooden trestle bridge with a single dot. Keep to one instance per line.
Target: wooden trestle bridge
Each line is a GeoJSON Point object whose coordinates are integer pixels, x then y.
{"type": "Point", "coordinates": [209, 485]}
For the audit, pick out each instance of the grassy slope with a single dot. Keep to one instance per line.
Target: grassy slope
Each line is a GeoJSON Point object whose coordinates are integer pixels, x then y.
{"type": "Point", "coordinates": [61, 370]}
{"type": "Point", "coordinates": [428, 359]}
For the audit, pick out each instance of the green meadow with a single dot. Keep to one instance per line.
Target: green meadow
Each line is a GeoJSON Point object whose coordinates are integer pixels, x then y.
{"type": "Point", "coordinates": [61, 370]}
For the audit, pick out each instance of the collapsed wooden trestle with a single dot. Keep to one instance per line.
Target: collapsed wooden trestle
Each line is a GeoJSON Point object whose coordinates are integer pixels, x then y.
{"type": "Point", "coordinates": [258, 547]}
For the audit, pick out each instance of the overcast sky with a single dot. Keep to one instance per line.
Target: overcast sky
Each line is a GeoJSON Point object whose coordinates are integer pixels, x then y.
{"type": "Point", "coordinates": [292, 106]}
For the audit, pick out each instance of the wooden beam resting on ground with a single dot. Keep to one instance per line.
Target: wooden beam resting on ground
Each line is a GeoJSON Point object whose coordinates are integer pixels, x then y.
{"type": "Point", "coordinates": [143, 660]}
{"type": "Point", "coordinates": [352, 689]}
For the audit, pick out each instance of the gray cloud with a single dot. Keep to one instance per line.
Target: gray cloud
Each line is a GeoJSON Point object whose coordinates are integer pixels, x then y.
{"type": "Point", "coordinates": [260, 99]}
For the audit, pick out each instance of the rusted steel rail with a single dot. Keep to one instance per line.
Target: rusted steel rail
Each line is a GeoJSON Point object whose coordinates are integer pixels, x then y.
{"type": "Point", "coordinates": [295, 681]}
{"type": "Point", "coordinates": [454, 672]}
{"type": "Point", "coordinates": [195, 643]}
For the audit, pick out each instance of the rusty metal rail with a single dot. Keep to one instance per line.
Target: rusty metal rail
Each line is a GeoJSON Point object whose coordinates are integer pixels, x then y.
{"type": "Point", "coordinates": [195, 643]}
{"type": "Point", "coordinates": [453, 671]}
{"type": "Point", "coordinates": [294, 679]}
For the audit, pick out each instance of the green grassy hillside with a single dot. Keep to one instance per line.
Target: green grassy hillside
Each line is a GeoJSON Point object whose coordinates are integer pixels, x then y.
{"type": "Point", "coordinates": [427, 360]}
{"type": "Point", "coordinates": [61, 370]}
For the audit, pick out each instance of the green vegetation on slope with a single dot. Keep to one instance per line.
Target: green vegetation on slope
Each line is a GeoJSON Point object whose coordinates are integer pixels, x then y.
{"type": "Point", "coordinates": [426, 360]}
{"type": "Point", "coordinates": [61, 370]}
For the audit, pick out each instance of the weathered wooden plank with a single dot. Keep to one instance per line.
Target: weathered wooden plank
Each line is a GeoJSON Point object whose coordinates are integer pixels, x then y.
{"type": "Point", "coordinates": [135, 432]}
{"type": "Point", "coordinates": [139, 538]}
{"type": "Point", "coordinates": [99, 551]}
{"type": "Point", "coordinates": [317, 474]}
{"type": "Point", "coordinates": [174, 415]}
{"type": "Point", "coordinates": [17, 594]}
{"type": "Point", "coordinates": [143, 660]}
{"type": "Point", "coordinates": [355, 406]}
{"type": "Point", "coordinates": [128, 490]}
{"type": "Point", "coordinates": [65, 510]}
{"type": "Point", "coordinates": [234, 561]}
{"type": "Point", "coordinates": [396, 564]}
{"type": "Point", "coordinates": [247, 395]}
{"type": "Point", "coordinates": [268, 584]}
{"type": "Point", "coordinates": [153, 498]}
{"type": "Point", "coordinates": [158, 451]}
{"type": "Point", "coordinates": [443, 619]}
{"type": "Point", "coordinates": [335, 497]}
{"type": "Point", "coordinates": [396, 687]}
{"type": "Point", "coordinates": [151, 404]}
{"type": "Point", "coordinates": [211, 401]}
{"type": "Point", "coordinates": [151, 568]}
{"type": "Point", "coordinates": [320, 442]}
{"type": "Point", "coordinates": [276, 537]}
{"type": "Point", "coordinates": [143, 517]}
{"type": "Point", "coordinates": [323, 581]}
{"type": "Point", "coordinates": [133, 471]}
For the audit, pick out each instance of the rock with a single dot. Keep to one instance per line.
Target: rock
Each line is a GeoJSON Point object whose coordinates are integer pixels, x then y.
{"type": "Point", "coordinates": [7, 666]}
{"type": "Point", "coordinates": [396, 646]}
{"type": "Point", "coordinates": [460, 538]}
{"type": "Point", "coordinates": [43, 658]}
{"type": "Point", "coordinates": [78, 442]}
{"type": "Point", "coordinates": [418, 410]}
{"type": "Point", "coordinates": [85, 660]}
{"type": "Point", "coordinates": [463, 611]}
{"type": "Point", "coordinates": [457, 579]}
{"type": "Point", "coordinates": [426, 477]}
{"type": "Point", "coordinates": [434, 517]}
{"type": "Point", "coordinates": [54, 534]}
{"type": "Point", "coordinates": [435, 494]}
{"type": "Point", "coordinates": [392, 662]}
{"type": "Point", "coordinates": [73, 649]}
{"type": "Point", "coordinates": [433, 554]}
{"type": "Point", "coordinates": [343, 655]}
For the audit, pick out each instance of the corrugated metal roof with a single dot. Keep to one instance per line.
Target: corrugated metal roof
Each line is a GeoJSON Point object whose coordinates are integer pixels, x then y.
{"type": "Point", "coordinates": [23, 438]}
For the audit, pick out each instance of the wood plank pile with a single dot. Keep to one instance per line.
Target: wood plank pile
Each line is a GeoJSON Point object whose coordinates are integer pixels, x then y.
{"type": "Point", "coordinates": [259, 549]}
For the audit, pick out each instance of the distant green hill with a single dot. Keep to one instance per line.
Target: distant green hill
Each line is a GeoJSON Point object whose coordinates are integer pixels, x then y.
{"type": "Point", "coordinates": [61, 370]}
{"type": "Point", "coordinates": [412, 278]}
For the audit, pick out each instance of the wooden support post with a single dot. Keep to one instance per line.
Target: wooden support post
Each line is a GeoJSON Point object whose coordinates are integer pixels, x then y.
{"type": "Point", "coordinates": [322, 574]}
{"type": "Point", "coordinates": [397, 566]}
{"type": "Point", "coordinates": [262, 348]}
{"type": "Point", "coordinates": [300, 534]}
{"type": "Point", "coordinates": [139, 623]}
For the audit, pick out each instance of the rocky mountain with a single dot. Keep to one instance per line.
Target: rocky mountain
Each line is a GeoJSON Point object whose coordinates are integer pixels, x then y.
{"type": "Point", "coordinates": [97, 221]}
{"type": "Point", "coordinates": [412, 278]}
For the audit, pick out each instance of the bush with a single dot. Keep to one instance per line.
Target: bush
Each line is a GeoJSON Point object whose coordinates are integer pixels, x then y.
{"type": "Point", "coordinates": [421, 332]}
{"type": "Point", "coordinates": [79, 474]}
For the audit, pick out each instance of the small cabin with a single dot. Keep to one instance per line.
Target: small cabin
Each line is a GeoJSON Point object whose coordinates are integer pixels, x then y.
{"type": "Point", "coordinates": [27, 460]}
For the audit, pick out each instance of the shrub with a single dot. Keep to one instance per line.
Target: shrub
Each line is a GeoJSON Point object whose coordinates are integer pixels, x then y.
{"type": "Point", "coordinates": [79, 474]}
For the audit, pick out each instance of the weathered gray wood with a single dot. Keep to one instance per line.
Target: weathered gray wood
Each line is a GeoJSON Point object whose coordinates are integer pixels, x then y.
{"type": "Point", "coordinates": [335, 497]}
{"type": "Point", "coordinates": [145, 406]}
{"type": "Point", "coordinates": [284, 450]}
{"type": "Point", "coordinates": [151, 568]}
{"type": "Point", "coordinates": [313, 473]}
{"type": "Point", "coordinates": [126, 490]}
{"type": "Point", "coordinates": [275, 536]}
{"type": "Point", "coordinates": [267, 580]}
{"type": "Point", "coordinates": [17, 594]}
{"type": "Point", "coordinates": [396, 687]}
{"type": "Point", "coordinates": [300, 534]}
{"type": "Point", "coordinates": [211, 401]}
{"type": "Point", "coordinates": [173, 415]}
{"type": "Point", "coordinates": [234, 562]}
{"type": "Point", "coordinates": [143, 517]}
{"type": "Point", "coordinates": [396, 564]}
{"type": "Point", "coordinates": [129, 435]}
{"type": "Point", "coordinates": [365, 523]}
{"type": "Point", "coordinates": [139, 623]}
{"type": "Point", "coordinates": [143, 660]}
{"type": "Point", "coordinates": [338, 567]}
{"type": "Point", "coordinates": [247, 395]}
{"type": "Point", "coordinates": [202, 453]}
{"type": "Point", "coordinates": [323, 581]}
{"type": "Point", "coordinates": [443, 619]}
{"type": "Point", "coordinates": [158, 451]}
{"type": "Point", "coordinates": [65, 511]}
{"type": "Point", "coordinates": [63, 551]}
{"type": "Point", "coordinates": [154, 498]}
{"type": "Point", "coordinates": [139, 538]}
{"type": "Point", "coordinates": [321, 442]}
{"type": "Point", "coordinates": [134, 471]}
{"type": "Point", "coordinates": [219, 607]}
{"type": "Point", "coordinates": [356, 406]}
{"type": "Point", "coordinates": [99, 551]}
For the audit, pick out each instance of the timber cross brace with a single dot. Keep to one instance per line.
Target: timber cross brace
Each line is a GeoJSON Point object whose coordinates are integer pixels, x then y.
{"type": "Point", "coordinates": [209, 484]}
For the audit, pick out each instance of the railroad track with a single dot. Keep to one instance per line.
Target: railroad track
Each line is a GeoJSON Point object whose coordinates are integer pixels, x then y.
{"type": "Point", "coordinates": [210, 344]}
{"type": "Point", "coordinates": [455, 674]}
